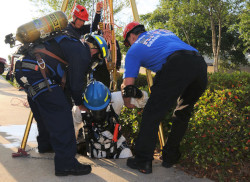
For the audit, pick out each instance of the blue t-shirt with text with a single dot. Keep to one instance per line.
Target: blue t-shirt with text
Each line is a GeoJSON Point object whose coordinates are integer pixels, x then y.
{"type": "Point", "coordinates": [151, 50]}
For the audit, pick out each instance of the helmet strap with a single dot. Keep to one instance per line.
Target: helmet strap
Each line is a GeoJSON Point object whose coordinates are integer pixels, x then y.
{"type": "Point", "coordinates": [96, 56]}
{"type": "Point", "coordinates": [74, 20]}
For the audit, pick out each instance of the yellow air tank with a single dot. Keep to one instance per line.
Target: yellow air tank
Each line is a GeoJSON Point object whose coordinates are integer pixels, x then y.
{"type": "Point", "coordinates": [41, 27]}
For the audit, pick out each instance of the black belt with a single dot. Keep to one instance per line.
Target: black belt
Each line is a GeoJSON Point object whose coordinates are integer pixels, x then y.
{"type": "Point", "coordinates": [184, 52]}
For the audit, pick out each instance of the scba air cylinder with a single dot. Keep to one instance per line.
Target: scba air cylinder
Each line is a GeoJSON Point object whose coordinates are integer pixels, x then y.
{"type": "Point", "coordinates": [41, 27]}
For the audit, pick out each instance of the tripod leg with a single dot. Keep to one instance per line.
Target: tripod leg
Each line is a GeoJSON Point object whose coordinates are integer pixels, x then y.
{"type": "Point", "coordinates": [161, 136]}
{"type": "Point", "coordinates": [21, 151]}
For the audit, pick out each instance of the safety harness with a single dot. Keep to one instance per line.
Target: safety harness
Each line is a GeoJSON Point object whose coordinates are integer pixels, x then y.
{"type": "Point", "coordinates": [104, 140]}
{"type": "Point", "coordinates": [37, 87]}
{"type": "Point", "coordinates": [35, 50]}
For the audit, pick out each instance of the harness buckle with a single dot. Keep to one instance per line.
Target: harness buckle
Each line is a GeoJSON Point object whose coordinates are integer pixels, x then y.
{"type": "Point", "coordinates": [31, 91]}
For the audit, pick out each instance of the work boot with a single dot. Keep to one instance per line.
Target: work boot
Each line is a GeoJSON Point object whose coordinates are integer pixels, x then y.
{"type": "Point", "coordinates": [170, 157]}
{"type": "Point", "coordinates": [78, 169]}
{"type": "Point", "coordinates": [144, 167]}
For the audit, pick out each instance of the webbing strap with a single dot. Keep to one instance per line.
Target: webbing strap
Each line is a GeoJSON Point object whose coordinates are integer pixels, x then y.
{"type": "Point", "coordinates": [26, 65]}
{"type": "Point", "coordinates": [44, 51]}
{"type": "Point", "coordinates": [35, 89]}
{"type": "Point", "coordinates": [40, 86]}
{"type": "Point", "coordinates": [43, 69]}
{"type": "Point", "coordinates": [30, 66]}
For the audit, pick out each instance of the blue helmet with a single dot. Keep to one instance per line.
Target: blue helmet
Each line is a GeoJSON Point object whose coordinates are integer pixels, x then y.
{"type": "Point", "coordinates": [97, 96]}
{"type": "Point", "coordinates": [100, 42]}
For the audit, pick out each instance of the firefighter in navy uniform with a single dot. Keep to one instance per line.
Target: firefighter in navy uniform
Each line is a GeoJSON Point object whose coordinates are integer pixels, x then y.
{"type": "Point", "coordinates": [101, 72]}
{"type": "Point", "coordinates": [80, 14]}
{"type": "Point", "coordinates": [41, 74]}
{"type": "Point", "coordinates": [78, 29]}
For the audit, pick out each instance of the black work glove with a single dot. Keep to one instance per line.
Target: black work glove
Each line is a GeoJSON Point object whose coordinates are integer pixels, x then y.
{"type": "Point", "coordinates": [132, 91]}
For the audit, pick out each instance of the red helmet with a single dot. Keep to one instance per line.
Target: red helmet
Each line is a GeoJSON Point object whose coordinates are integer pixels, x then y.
{"type": "Point", "coordinates": [128, 29]}
{"type": "Point", "coordinates": [81, 13]}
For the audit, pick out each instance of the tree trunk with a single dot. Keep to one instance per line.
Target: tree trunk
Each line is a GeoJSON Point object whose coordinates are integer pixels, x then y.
{"type": "Point", "coordinates": [219, 44]}
{"type": "Point", "coordinates": [214, 47]}
{"type": "Point", "coordinates": [186, 35]}
{"type": "Point", "coordinates": [216, 44]}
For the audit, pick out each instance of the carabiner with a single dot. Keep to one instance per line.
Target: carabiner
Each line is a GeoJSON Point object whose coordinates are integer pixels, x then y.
{"type": "Point", "coordinates": [39, 64]}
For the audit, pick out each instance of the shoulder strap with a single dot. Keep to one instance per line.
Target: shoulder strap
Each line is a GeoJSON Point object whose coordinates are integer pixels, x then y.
{"type": "Point", "coordinates": [45, 51]}
{"type": "Point", "coordinates": [43, 69]}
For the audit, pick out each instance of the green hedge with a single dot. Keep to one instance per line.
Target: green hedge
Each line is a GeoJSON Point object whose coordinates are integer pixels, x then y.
{"type": "Point", "coordinates": [219, 131]}
{"type": "Point", "coordinates": [217, 141]}
{"type": "Point", "coordinates": [141, 81]}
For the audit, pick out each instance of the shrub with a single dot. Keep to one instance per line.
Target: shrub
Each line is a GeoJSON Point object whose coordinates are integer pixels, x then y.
{"type": "Point", "coordinates": [141, 81]}
{"type": "Point", "coordinates": [220, 81]}
{"type": "Point", "coordinates": [217, 139]}
{"type": "Point", "coordinates": [219, 131]}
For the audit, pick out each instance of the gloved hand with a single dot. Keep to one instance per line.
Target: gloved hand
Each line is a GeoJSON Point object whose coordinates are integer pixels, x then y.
{"type": "Point", "coordinates": [77, 119]}
{"type": "Point", "coordinates": [132, 91]}
{"type": "Point", "coordinates": [141, 102]}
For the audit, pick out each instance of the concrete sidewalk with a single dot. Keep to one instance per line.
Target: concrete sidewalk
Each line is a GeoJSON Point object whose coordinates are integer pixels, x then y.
{"type": "Point", "coordinates": [40, 167]}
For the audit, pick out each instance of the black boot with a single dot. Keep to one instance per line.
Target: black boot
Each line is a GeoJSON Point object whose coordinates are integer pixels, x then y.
{"type": "Point", "coordinates": [78, 169]}
{"type": "Point", "coordinates": [144, 167]}
{"type": "Point", "coordinates": [170, 157]}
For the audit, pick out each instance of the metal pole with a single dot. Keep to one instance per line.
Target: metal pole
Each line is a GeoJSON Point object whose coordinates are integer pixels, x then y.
{"type": "Point", "coordinates": [27, 130]}
{"type": "Point", "coordinates": [148, 73]}
{"type": "Point", "coordinates": [134, 9]}
{"type": "Point", "coordinates": [21, 151]}
{"type": "Point", "coordinates": [64, 5]}
{"type": "Point", "coordinates": [113, 42]}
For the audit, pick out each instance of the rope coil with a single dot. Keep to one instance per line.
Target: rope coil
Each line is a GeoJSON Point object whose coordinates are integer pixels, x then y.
{"type": "Point", "coordinates": [18, 102]}
{"type": "Point", "coordinates": [108, 27]}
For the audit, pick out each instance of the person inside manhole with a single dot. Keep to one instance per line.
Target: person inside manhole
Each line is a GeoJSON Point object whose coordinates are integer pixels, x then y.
{"type": "Point", "coordinates": [102, 136]}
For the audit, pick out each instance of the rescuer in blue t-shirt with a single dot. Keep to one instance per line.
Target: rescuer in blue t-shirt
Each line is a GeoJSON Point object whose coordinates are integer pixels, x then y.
{"type": "Point", "coordinates": [181, 76]}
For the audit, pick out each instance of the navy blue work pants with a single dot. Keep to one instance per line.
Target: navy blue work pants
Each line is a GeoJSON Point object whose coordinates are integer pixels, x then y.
{"type": "Point", "coordinates": [182, 80]}
{"type": "Point", "coordinates": [55, 124]}
{"type": "Point", "coordinates": [43, 138]}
